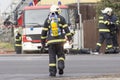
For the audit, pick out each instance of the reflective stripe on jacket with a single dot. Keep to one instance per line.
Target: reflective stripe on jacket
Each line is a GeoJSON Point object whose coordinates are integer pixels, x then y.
{"type": "Point", "coordinates": [18, 40]}
{"type": "Point", "coordinates": [104, 23]}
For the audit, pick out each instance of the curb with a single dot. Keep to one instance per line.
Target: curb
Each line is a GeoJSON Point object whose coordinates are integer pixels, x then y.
{"type": "Point", "coordinates": [14, 54]}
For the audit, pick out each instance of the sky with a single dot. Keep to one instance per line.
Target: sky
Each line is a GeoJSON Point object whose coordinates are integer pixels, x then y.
{"type": "Point", "coordinates": [4, 4]}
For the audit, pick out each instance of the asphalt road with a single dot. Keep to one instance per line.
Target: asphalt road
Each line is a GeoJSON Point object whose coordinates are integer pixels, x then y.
{"type": "Point", "coordinates": [35, 67]}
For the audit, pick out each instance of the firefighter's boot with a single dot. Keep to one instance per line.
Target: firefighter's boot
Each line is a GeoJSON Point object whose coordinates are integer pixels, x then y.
{"type": "Point", "coordinates": [61, 71]}
{"type": "Point", "coordinates": [109, 51]}
{"type": "Point", "coordinates": [52, 71]}
{"type": "Point", "coordinates": [117, 50]}
{"type": "Point", "coordinates": [61, 67]}
{"type": "Point", "coordinates": [95, 52]}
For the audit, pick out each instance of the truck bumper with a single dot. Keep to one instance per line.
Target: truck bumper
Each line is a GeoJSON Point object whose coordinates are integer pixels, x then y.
{"type": "Point", "coordinates": [28, 46]}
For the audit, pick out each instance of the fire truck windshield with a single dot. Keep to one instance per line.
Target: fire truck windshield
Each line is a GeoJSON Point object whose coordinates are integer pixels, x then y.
{"type": "Point", "coordinates": [38, 16]}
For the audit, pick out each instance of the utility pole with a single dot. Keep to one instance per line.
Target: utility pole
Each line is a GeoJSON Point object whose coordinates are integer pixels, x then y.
{"type": "Point", "coordinates": [79, 27]}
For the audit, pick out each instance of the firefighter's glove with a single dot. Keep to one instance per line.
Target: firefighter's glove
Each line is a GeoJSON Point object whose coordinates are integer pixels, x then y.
{"type": "Point", "coordinates": [43, 42]}
{"type": "Point", "coordinates": [43, 45]}
{"type": "Point", "coordinates": [72, 33]}
{"type": "Point", "coordinates": [42, 49]}
{"type": "Point", "coordinates": [112, 23]}
{"type": "Point", "coordinates": [69, 38]}
{"type": "Point", "coordinates": [70, 42]}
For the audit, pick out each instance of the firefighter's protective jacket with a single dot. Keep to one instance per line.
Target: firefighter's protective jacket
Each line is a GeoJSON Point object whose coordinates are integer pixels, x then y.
{"type": "Point", "coordinates": [114, 24]}
{"type": "Point", "coordinates": [18, 40]}
{"type": "Point", "coordinates": [104, 23]}
{"type": "Point", "coordinates": [46, 33]}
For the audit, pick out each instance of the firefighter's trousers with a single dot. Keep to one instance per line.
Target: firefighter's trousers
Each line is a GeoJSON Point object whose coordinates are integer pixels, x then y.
{"type": "Point", "coordinates": [56, 50]}
{"type": "Point", "coordinates": [114, 40]}
{"type": "Point", "coordinates": [104, 36]}
{"type": "Point", "coordinates": [18, 49]}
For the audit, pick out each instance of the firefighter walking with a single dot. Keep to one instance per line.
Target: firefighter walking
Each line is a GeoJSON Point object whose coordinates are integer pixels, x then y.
{"type": "Point", "coordinates": [104, 31]}
{"type": "Point", "coordinates": [53, 33]}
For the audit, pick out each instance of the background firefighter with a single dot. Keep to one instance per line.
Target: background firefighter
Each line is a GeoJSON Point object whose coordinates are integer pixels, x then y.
{"type": "Point", "coordinates": [104, 31]}
{"type": "Point", "coordinates": [114, 30]}
{"type": "Point", "coordinates": [18, 41]}
{"type": "Point", "coordinates": [53, 32]}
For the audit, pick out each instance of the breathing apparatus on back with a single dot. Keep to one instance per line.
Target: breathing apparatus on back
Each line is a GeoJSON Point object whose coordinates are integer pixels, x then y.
{"type": "Point", "coordinates": [54, 27]}
{"type": "Point", "coordinates": [53, 17]}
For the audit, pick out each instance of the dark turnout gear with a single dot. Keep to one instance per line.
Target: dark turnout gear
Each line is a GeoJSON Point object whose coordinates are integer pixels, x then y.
{"type": "Point", "coordinates": [114, 40]}
{"type": "Point", "coordinates": [55, 36]}
{"type": "Point", "coordinates": [56, 49]}
{"type": "Point", "coordinates": [102, 37]}
{"type": "Point", "coordinates": [18, 41]}
{"type": "Point", "coordinates": [114, 29]}
{"type": "Point", "coordinates": [104, 32]}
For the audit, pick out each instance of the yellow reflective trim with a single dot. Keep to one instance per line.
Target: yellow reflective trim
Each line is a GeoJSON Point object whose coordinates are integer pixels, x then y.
{"type": "Point", "coordinates": [65, 25]}
{"type": "Point", "coordinates": [61, 58]}
{"type": "Point", "coordinates": [17, 39]}
{"type": "Point", "coordinates": [98, 44]}
{"type": "Point", "coordinates": [73, 32]}
{"type": "Point", "coordinates": [52, 64]}
{"type": "Point", "coordinates": [58, 19]}
{"type": "Point", "coordinates": [57, 40]}
{"type": "Point", "coordinates": [18, 45]}
{"type": "Point", "coordinates": [104, 30]}
{"type": "Point", "coordinates": [68, 34]}
{"type": "Point", "coordinates": [60, 24]}
{"type": "Point", "coordinates": [48, 21]}
{"type": "Point", "coordinates": [49, 26]}
{"type": "Point", "coordinates": [101, 21]}
{"type": "Point", "coordinates": [109, 46]}
{"type": "Point", "coordinates": [117, 22]}
{"type": "Point", "coordinates": [45, 29]}
{"type": "Point", "coordinates": [106, 22]}
{"type": "Point", "coordinates": [43, 37]}
{"type": "Point", "coordinates": [101, 17]}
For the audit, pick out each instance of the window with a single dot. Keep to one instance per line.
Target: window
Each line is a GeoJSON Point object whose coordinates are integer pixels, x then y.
{"type": "Point", "coordinates": [33, 17]}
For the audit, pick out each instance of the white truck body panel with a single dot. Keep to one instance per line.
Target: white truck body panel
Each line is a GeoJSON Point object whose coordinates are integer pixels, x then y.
{"type": "Point", "coordinates": [31, 31]}
{"type": "Point", "coordinates": [28, 46]}
{"type": "Point", "coordinates": [31, 46]}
